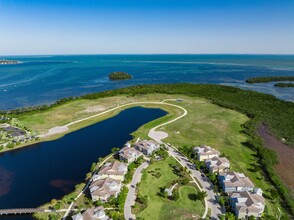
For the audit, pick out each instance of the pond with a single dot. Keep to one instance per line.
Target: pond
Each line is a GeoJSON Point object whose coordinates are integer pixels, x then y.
{"type": "Point", "coordinates": [38, 173]}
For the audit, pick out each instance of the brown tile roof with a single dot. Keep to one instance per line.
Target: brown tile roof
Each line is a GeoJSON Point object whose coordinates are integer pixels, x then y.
{"type": "Point", "coordinates": [104, 187]}
{"type": "Point", "coordinates": [218, 161]}
{"type": "Point", "coordinates": [95, 213]}
{"type": "Point", "coordinates": [248, 201]}
{"type": "Point", "coordinates": [146, 144]}
{"type": "Point", "coordinates": [128, 152]}
{"type": "Point", "coordinates": [114, 168]}
{"type": "Point", "coordinates": [236, 179]}
{"type": "Point", "coordinates": [207, 150]}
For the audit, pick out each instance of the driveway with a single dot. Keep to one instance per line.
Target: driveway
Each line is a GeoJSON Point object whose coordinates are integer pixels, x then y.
{"type": "Point", "coordinates": [207, 186]}
{"type": "Point", "coordinates": [131, 197]}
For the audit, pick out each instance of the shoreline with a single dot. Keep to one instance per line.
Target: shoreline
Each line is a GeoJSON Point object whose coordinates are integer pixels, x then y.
{"type": "Point", "coordinates": [61, 131]}
{"type": "Point", "coordinates": [223, 97]}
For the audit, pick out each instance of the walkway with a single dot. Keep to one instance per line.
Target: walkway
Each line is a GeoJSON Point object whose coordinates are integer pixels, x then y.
{"type": "Point", "coordinates": [64, 128]}
{"type": "Point", "coordinates": [131, 197]}
{"type": "Point", "coordinates": [205, 183]}
{"type": "Point", "coordinates": [85, 188]}
{"type": "Point", "coordinates": [210, 201]}
{"type": "Point", "coordinates": [20, 211]}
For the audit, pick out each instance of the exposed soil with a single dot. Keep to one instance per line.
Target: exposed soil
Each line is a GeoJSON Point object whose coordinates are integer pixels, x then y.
{"type": "Point", "coordinates": [97, 108]}
{"type": "Point", "coordinates": [285, 168]}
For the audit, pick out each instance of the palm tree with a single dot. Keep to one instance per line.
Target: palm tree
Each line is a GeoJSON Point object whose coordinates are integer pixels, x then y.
{"type": "Point", "coordinates": [201, 195]}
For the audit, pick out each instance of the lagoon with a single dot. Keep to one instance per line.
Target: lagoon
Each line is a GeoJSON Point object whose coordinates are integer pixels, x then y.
{"type": "Point", "coordinates": [36, 174]}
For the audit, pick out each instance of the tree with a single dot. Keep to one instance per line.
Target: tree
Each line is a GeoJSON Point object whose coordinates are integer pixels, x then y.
{"type": "Point", "coordinates": [53, 202]}
{"type": "Point", "coordinates": [201, 195]}
{"type": "Point", "coordinates": [93, 167]}
{"type": "Point", "coordinates": [230, 216]}
{"type": "Point", "coordinates": [221, 200]}
{"type": "Point", "coordinates": [114, 149]}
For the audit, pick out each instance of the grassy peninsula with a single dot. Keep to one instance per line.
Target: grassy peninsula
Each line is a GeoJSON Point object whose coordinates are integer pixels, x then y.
{"type": "Point", "coordinates": [260, 109]}
{"type": "Point", "coordinates": [119, 76]}
{"type": "Point", "coordinates": [284, 85]}
{"type": "Point", "coordinates": [269, 79]}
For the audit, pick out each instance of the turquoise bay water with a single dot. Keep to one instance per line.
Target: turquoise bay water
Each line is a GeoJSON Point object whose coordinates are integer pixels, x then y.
{"type": "Point", "coordinates": [44, 79]}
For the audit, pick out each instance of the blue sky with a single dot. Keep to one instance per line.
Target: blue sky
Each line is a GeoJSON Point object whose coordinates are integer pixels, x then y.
{"type": "Point", "coordinates": [146, 26]}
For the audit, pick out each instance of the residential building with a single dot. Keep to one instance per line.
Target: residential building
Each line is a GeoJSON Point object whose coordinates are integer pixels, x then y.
{"type": "Point", "coordinates": [205, 152]}
{"type": "Point", "coordinates": [247, 204]}
{"type": "Point", "coordinates": [97, 213]}
{"type": "Point", "coordinates": [115, 170]}
{"type": "Point", "coordinates": [235, 182]}
{"type": "Point", "coordinates": [217, 164]}
{"type": "Point", "coordinates": [147, 147]}
{"type": "Point", "coordinates": [129, 154]}
{"type": "Point", "coordinates": [102, 189]}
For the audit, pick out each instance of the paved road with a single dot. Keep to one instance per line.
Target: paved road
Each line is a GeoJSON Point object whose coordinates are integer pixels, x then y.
{"type": "Point", "coordinates": [210, 201]}
{"type": "Point", "coordinates": [131, 197]}
{"type": "Point", "coordinates": [205, 183]}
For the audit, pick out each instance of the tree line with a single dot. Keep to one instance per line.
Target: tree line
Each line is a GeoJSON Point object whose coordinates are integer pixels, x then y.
{"type": "Point", "coordinates": [262, 109]}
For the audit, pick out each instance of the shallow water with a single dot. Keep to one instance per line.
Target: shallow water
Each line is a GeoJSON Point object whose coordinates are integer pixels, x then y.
{"type": "Point", "coordinates": [44, 79]}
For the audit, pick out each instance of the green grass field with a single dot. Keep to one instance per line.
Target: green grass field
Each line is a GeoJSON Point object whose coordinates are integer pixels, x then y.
{"type": "Point", "coordinates": [220, 128]}
{"type": "Point", "coordinates": [161, 208]}
{"type": "Point", "coordinates": [205, 123]}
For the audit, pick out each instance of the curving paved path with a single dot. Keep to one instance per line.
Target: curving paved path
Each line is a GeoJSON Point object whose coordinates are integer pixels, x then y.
{"type": "Point", "coordinates": [64, 128]}
{"type": "Point", "coordinates": [210, 201]}
{"type": "Point", "coordinates": [67, 211]}
{"type": "Point", "coordinates": [157, 136]}
{"type": "Point", "coordinates": [131, 197]}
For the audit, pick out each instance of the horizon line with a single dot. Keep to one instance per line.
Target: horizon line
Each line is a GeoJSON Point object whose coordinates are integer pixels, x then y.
{"type": "Point", "coordinates": [93, 54]}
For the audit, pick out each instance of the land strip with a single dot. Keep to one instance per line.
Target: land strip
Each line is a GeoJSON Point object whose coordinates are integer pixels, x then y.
{"type": "Point", "coordinates": [266, 79]}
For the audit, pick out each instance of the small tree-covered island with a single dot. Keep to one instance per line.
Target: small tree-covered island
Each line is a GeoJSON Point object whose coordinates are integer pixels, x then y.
{"type": "Point", "coordinates": [232, 128]}
{"type": "Point", "coordinates": [119, 76]}
{"type": "Point", "coordinates": [286, 85]}
{"type": "Point", "coordinates": [267, 79]}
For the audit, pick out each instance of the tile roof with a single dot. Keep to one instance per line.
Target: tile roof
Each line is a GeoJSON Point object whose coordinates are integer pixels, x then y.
{"type": "Point", "coordinates": [114, 168]}
{"type": "Point", "coordinates": [206, 150]}
{"type": "Point", "coordinates": [147, 144]}
{"type": "Point", "coordinates": [129, 152]}
{"type": "Point", "coordinates": [236, 179]}
{"type": "Point", "coordinates": [248, 201]}
{"type": "Point", "coordinates": [102, 187]}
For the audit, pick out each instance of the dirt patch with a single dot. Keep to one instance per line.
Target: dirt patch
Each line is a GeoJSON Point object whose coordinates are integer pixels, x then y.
{"type": "Point", "coordinates": [55, 130]}
{"type": "Point", "coordinates": [97, 108]}
{"type": "Point", "coordinates": [285, 155]}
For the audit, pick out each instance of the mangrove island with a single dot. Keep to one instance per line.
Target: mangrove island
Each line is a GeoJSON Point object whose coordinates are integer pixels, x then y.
{"type": "Point", "coordinates": [284, 85]}
{"type": "Point", "coordinates": [269, 79]}
{"type": "Point", "coordinates": [119, 76]}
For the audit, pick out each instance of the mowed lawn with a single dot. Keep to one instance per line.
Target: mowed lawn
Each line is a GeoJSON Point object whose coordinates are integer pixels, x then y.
{"type": "Point", "coordinates": [63, 114]}
{"type": "Point", "coordinates": [219, 128]}
{"type": "Point", "coordinates": [161, 208]}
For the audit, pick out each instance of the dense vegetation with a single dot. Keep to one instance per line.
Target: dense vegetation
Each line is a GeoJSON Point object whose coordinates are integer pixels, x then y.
{"type": "Point", "coordinates": [269, 79]}
{"type": "Point", "coordinates": [277, 115]}
{"type": "Point", "coordinates": [119, 76]}
{"type": "Point", "coordinates": [284, 85]}
{"type": "Point", "coordinates": [261, 108]}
